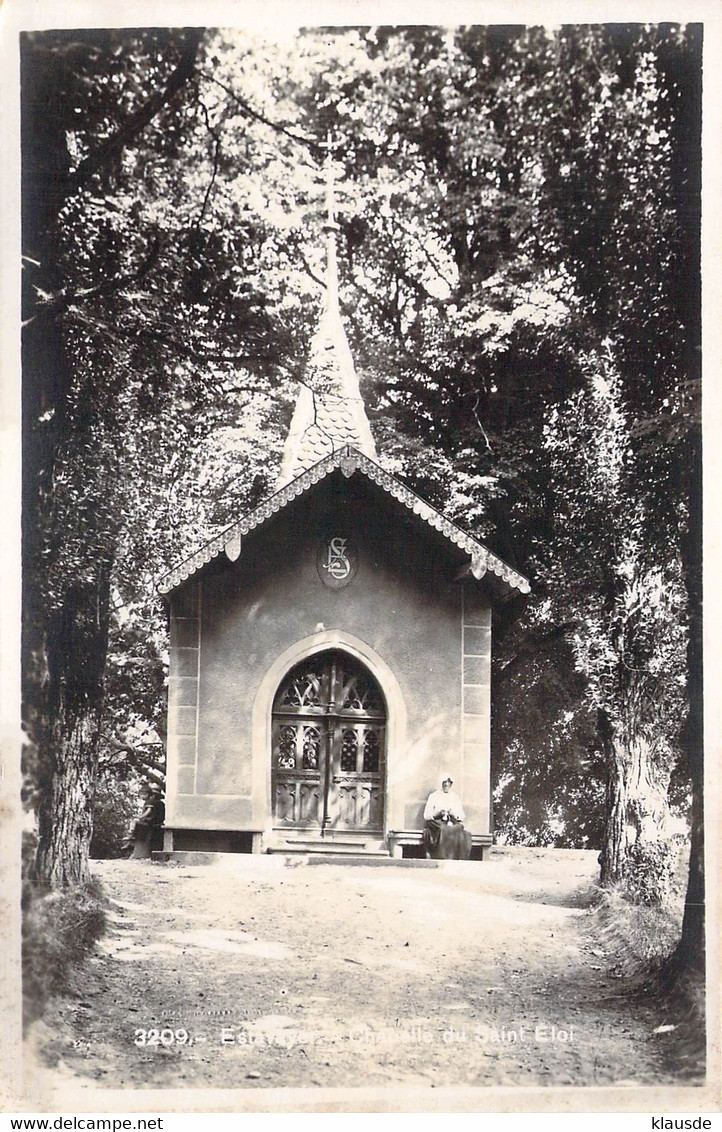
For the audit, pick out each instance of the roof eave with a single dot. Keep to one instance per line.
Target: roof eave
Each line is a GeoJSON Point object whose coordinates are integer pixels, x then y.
{"type": "Point", "coordinates": [349, 460]}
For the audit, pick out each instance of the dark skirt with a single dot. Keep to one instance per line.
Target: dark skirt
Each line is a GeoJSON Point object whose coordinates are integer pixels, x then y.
{"type": "Point", "coordinates": [446, 841]}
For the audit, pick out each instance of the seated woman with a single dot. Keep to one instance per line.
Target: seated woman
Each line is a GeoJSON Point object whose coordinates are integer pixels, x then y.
{"type": "Point", "coordinates": [444, 835]}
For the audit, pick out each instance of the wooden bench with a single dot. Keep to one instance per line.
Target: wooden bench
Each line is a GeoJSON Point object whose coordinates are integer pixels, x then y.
{"type": "Point", "coordinates": [398, 839]}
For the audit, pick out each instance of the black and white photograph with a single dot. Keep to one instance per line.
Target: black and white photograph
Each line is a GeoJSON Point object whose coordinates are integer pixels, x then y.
{"type": "Point", "coordinates": [361, 612]}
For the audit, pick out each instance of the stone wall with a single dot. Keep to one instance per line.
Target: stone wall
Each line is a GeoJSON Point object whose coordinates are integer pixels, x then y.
{"type": "Point", "coordinates": [426, 637]}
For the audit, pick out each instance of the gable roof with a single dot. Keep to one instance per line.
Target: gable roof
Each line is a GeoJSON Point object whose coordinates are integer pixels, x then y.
{"type": "Point", "coordinates": [350, 461]}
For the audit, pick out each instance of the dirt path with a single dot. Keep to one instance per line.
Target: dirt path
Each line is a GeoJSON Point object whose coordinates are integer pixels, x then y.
{"type": "Point", "coordinates": [267, 975]}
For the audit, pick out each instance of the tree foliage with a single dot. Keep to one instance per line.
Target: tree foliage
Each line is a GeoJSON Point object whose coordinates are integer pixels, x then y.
{"type": "Point", "coordinates": [124, 345]}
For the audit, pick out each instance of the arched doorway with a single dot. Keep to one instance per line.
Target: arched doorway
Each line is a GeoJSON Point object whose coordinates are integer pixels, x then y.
{"type": "Point", "coordinates": [329, 746]}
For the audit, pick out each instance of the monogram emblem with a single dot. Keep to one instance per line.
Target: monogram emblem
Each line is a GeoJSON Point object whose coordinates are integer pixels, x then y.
{"type": "Point", "coordinates": [337, 561]}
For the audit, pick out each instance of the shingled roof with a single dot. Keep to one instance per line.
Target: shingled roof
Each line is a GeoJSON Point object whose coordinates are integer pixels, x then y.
{"type": "Point", "coordinates": [330, 411]}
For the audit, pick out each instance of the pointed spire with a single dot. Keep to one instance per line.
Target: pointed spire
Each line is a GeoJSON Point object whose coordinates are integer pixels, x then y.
{"type": "Point", "coordinates": [329, 412]}
{"type": "Point", "coordinates": [330, 228]}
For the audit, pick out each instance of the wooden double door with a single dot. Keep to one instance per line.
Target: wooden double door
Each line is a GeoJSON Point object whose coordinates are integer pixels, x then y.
{"type": "Point", "coordinates": [329, 747]}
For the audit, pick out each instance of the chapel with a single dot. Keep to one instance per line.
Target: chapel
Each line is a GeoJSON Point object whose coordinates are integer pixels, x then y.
{"type": "Point", "coordinates": [330, 652]}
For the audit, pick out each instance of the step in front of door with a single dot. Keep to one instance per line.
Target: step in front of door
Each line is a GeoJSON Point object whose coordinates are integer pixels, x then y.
{"type": "Point", "coordinates": [327, 847]}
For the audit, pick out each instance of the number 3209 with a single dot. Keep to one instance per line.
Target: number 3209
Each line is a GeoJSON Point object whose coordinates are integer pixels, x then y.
{"type": "Point", "coordinates": [161, 1038]}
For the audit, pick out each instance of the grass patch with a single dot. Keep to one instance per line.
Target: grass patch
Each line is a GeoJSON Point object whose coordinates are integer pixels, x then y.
{"type": "Point", "coordinates": [59, 929]}
{"type": "Point", "coordinates": [639, 933]}
{"type": "Point", "coordinates": [638, 938]}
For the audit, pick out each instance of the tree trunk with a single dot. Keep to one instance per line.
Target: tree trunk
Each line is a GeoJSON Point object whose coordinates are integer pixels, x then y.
{"type": "Point", "coordinates": [76, 654]}
{"type": "Point", "coordinates": [690, 953]}
{"type": "Point", "coordinates": [615, 844]}
{"type": "Point", "coordinates": [637, 787]}
{"type": "Point", "coordinates": [65, 818]}
{"type": "Point", "coordinates": [684, 973]}
{"type": "Point", "coordinates": [647, 786]}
